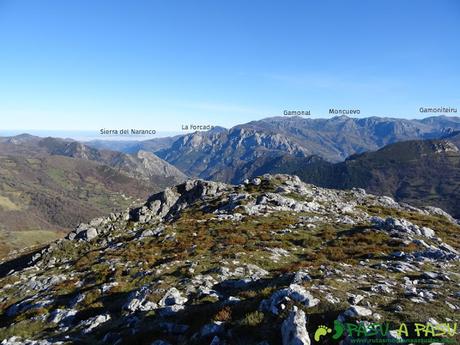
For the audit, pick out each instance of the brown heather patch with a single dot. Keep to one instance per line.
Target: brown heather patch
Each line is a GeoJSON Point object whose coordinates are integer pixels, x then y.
{"type": "Point", "coordinates": [248, 294]}
{"type": "Point", "coordinates": [225, 314]}
{"type": "Point", "coordinates": [65, 287]}
{"type": "Point", "coordinates": [91, 298]}
{"type": "Point", "coordinates": [86, 260]}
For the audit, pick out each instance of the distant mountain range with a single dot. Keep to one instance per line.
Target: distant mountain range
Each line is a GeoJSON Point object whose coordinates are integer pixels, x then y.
{"type": "Point", "coordinates": [51, 184]}
{"type": "Point", "coordinates": [408, 163]}
{"type": "Point", "coordinates": [141, 164]}
{"type": "Point", "coordinates": [334, 139]}
{"type": "Point", "coordinates": [224, 155]}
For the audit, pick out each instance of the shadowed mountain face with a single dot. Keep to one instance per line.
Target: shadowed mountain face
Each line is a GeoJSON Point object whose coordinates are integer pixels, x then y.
{"type": "Point", "coordinates": [50, 185]}
{"type": "Point", "coordinates": [218, 155]}
{"type": "Point", "coordinates": [421, 172]}
{"type": "Point", "coordinates": [223, 154]}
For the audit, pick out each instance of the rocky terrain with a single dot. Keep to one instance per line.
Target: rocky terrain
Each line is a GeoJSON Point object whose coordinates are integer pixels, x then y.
{"type": "Point", "coordinates": [264, 262]}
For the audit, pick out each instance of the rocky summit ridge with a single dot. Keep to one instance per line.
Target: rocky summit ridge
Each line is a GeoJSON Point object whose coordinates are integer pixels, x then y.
{"type": "Point", "coordinates": [263, 262]}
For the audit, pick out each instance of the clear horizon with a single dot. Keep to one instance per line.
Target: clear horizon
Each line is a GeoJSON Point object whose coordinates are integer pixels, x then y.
{"type": "Point", "coordinates": [143, 64]}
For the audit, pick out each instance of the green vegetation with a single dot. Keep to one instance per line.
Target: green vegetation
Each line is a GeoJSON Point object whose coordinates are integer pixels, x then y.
{"type": "Point", "coordinates": [25, 329]}
{"type": "Point", "coordinates": [7, 204]}
{"type": "Point", "coordinates": [252, 319]}
{"type": "Point", "coordinates": [17, 240]}
{"type": "Point", "coordinates": [52, 194]}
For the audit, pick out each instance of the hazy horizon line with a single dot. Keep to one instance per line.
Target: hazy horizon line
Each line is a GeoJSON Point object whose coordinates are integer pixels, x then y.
{"type": "Point", "coordinates": [93, 134]}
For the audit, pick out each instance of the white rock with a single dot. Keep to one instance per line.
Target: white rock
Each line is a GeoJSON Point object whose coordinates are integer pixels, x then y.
{"type": "Point", "coordinates": [59, 315]}
{"type": "Point", "coordinates": [19, 341]}
{"type": "Point", "coordinates": [90, 234]}
{"type": "Point", "coordinates": [300, 277]}
{"type": "Point", "coordinates": [172, 297]}
{"type": "Point", "coordinates": [357, 311]}
{"type": "Point", "coordinates": [95, 322]}
{"type": "Point", "coordinates": [427, 232]}
{"type": "Point", "coordinates": [293, 292]}
{"type": "Point", "coordinates": [293, 329]}
{"type": "Point", "coordinates": [137, 300]}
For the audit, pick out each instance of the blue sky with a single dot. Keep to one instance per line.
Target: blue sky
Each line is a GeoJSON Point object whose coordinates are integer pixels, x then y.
{"type": "Point", "coordinates": [90, 64]}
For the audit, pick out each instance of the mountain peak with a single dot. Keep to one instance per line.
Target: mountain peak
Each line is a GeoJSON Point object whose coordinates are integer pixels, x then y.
{"type": "Point", "coordinates": [21, 139]}
{"type": "Point", "coordinates": [218, 129]}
